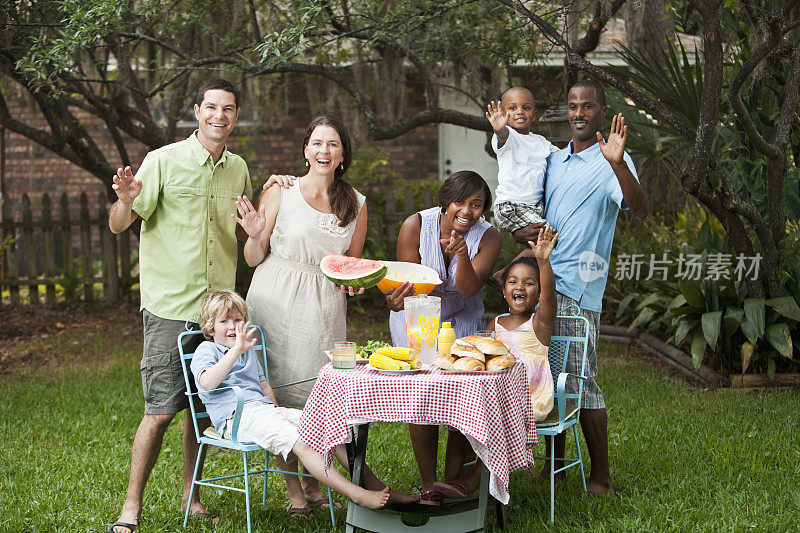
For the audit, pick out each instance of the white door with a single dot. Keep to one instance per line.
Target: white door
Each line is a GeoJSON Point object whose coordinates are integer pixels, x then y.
{"type": "Point", "coordinates": [464, 149]}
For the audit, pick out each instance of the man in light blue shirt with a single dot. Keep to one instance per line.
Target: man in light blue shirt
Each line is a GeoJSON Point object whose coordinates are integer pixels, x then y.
{"type": "Point", "coordinates": [588, 182]}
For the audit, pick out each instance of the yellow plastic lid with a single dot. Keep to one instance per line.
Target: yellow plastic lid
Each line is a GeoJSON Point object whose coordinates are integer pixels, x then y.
{"type": "Point", "coordinates": [446, 325]}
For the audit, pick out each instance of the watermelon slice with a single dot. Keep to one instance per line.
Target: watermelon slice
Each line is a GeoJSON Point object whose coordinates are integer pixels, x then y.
{"type": "Point", "coordinates": [352, 271]}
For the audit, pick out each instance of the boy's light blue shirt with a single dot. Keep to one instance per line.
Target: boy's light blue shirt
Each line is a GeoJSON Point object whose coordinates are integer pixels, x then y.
{"type": "Point", "coordinates": [582, 200]}
{"type": "Point", "coordinates": [245, 373]}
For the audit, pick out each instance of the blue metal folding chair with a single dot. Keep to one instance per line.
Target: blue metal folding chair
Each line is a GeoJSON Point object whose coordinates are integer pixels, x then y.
{"type": "Point", "coordinates": [187, 343]}
{"type": "Point", "coordinates": [567, 407]}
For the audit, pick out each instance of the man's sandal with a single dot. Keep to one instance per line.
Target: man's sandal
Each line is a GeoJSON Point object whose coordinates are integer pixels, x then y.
{"type": "Point", "coordinates": [323, 503]}
{"type": "Point", "coordinates": [130, 527]}
{"type": "Point", "coordinates": [206, 517]}
{"type": "Point", "coordinates": [298, 512]}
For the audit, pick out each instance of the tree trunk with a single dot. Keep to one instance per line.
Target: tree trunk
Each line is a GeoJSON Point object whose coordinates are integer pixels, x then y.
{"type": "Point", "coordinates": [648, 24]}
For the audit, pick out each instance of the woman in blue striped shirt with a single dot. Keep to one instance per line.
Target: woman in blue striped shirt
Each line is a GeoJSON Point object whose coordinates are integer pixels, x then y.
{"type": "Point", "coordinates": [462, 247]}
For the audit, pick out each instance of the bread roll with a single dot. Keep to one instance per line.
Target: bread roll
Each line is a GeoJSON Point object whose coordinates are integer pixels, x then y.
{"type": "Point", "coordinates": [469, 340]}
{"type": "Point", "coordinates": [491, 346]}
{"type": "Point", "coordinates": [445, 362]}
{"type": "Point", "coordinates": [468, 363]}
{"type": "Point", "coordinates": [500, 362]}
{"type": "Point", "coordinates": [468, 351]}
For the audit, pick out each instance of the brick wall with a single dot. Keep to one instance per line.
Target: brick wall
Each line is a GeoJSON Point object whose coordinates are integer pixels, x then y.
{"type": "Point", "coordinates": [270, 143]}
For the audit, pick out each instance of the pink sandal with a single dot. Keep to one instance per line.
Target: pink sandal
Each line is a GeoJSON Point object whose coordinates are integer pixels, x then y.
{"type": "Point", "coordinates": [430, 497]}
{"type": "Point", "coordinates": [451, 489]}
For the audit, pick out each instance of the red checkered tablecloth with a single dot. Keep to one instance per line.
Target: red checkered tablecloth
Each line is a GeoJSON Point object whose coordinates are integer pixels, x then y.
{"type": "Point", "coordinates": [492, 410]}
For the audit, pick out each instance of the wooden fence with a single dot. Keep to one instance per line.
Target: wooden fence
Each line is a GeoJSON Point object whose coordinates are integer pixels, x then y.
{"type": "Point", "coordinates": [64, 258]}
{"type": "Point", "coordinates": [384, 215]}
{"type": "Point", "coordinates": [79, 256]}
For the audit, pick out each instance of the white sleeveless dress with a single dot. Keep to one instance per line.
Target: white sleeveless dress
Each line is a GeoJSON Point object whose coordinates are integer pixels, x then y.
{"type": "Point", "coordinates": [300, 310]}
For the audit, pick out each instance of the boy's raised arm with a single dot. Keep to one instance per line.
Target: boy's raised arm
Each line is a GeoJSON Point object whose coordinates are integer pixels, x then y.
{"type": "Point", "coordinates": [499, 121]}
{"type": "Point", "coordinates": [213, 375]}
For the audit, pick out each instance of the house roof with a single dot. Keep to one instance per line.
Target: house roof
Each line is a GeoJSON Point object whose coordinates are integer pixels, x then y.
{"type": "Point", "coordinates": [613, 35]}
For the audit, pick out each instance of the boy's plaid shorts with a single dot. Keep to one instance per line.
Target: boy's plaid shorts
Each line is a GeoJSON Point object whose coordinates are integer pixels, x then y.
{"type": "Point", "coordinates": [512, 216]}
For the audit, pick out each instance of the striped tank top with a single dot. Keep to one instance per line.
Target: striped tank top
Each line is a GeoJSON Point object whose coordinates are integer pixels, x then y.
{"type": "Point", "coordinates": [466, 315]}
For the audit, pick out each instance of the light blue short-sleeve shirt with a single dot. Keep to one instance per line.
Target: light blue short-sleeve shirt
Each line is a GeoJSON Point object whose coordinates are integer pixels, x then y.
{"type": "Point", "coordinates": [582, 200]}
{"type": "Point", "coordinates": [245, 373]}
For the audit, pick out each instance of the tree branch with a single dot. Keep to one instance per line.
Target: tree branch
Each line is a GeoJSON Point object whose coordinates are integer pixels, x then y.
{"type": "Point", "coordinates": [789, 106]}
{"type": "Point", "coordinates": [48, 140]}
{"type": "Point", "coordinates": [760, 52]}
{"type": "Point", "coordinates": [153, 40]}
{"type": "Point", "coordinates": [642, 100]}
{"type": "Point", "coordinates": [377, 132]}
{"type": "Point", "coordinates": [332, 74]}
{"type": "Point", "coordinates": [254, 16]}
{"type": "Point", "coordinates": [591, 39]}
{"type": "Point", "coordinates": [697, 165]}
{"type": "Point", "coordinates": [429, 116]}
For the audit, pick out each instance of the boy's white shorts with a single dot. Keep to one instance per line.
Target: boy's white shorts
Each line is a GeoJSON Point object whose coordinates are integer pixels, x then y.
{"type": "Point", "coordinates": [272, 428]}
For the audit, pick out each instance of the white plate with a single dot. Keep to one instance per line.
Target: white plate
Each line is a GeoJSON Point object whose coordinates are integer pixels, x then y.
{"type": "Point", "coordinates": [474, 371]}
{"type": "Point", "coordinates": [409, 371]}
{"type": "Point", "coordinates": [359, 360]}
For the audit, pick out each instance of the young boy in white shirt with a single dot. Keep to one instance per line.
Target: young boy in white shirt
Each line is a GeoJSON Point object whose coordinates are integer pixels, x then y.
{"type": "Point", "coordinates": [522, 161]}
{"type": "Point", "coordinates": [229, 360]}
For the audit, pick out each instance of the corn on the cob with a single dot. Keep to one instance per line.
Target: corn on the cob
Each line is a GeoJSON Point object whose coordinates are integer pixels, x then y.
{"type": "Point", "coordinates": [384, 362]}
{"type": "Point", "coordinates": [395, 352]}
{"type": "Point", "coordinates": [415, 363]}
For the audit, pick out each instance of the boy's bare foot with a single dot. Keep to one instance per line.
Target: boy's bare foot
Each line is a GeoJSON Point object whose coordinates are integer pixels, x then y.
{"type": "Point", "coordinates": [373, 499]}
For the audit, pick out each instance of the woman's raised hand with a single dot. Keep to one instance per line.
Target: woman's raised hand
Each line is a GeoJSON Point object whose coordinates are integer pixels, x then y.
{"type": "Point", "coordinates": [455, 244]}
{"type": "Point", "coordinates": [395, 297]}
{"type": "Point", "coordinates": [252, 221]}
{"type": "Point", "coordinates": [281, 180]}
{"type": "Point", "coordinates": [545, 243]}
{"type": "Point", "coordinates": [497, 118]}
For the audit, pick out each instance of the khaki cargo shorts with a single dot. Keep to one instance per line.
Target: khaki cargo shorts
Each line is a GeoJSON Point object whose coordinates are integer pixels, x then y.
{"type": "Point", "coordinates": [162, 378]}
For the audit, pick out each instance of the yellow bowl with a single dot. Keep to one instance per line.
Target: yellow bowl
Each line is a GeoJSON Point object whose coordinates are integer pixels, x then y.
{"type": "Point", "coordinates": [425, 279]}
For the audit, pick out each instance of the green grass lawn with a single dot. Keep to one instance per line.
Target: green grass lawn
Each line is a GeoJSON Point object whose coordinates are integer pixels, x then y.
{"type": "Point", "coordinates": [682, 458]}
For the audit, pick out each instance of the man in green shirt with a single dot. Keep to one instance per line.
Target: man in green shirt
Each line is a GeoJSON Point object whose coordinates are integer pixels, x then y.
{"type": "Point", "coordinates": [185, 194]}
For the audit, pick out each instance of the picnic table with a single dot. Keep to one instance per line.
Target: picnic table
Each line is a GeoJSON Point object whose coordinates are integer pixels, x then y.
{"type": "Point", "coordinates": [491, 409]}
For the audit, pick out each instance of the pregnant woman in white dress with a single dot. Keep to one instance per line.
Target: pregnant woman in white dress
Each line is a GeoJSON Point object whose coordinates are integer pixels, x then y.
{"type": "Point", "coordinates": [301, 311]}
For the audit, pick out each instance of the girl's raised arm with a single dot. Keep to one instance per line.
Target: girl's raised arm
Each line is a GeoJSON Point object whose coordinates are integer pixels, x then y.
{"type": "Point", "coordinates": [545, 316]}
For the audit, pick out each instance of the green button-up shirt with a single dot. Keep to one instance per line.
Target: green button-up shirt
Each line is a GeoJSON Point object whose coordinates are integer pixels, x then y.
{"type": "Point", "coordinates": [187, 245]}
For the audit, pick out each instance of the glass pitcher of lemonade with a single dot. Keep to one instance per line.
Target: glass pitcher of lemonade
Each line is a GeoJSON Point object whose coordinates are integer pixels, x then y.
{"type": "Point", "coordinates": [422, 325]}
